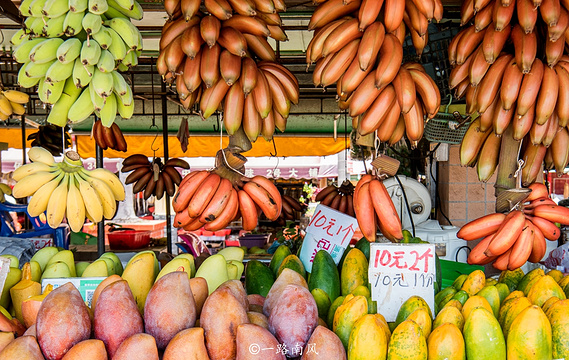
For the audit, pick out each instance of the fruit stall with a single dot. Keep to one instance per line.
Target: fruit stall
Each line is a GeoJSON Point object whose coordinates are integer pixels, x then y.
{"type": "Point", "coordinates": [448, 245]}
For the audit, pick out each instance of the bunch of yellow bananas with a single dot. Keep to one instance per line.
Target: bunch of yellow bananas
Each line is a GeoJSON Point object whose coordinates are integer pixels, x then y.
{"type": "Point", "coordinates": [66, 189]}
{"type": "Point", "coordinates": [12, 102]}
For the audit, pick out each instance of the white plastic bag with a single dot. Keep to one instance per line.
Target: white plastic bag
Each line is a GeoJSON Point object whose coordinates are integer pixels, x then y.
{"type": "Point", "coordinates": [559, 258]}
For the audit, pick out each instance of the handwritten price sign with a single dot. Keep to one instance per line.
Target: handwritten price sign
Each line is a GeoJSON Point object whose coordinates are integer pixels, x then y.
{"type": "Point", "coordinates": [399, 271]}
{"type": "Point", "coordinates": [328, 230]}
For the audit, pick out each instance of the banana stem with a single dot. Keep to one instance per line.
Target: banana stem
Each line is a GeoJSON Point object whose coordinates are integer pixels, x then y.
{"type": "Point", "coordinates": [508, 162]}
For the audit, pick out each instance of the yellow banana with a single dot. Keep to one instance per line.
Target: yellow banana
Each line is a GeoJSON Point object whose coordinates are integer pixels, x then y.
{"type": "Point", "coordinates": [90, 197]}
{"type": "Point", "coordinates": [57, 203]}
{"type": "Point", "coordinates": [105, 194]}
{"type": "Point", "coordinates": [110, 179]}
{"type": "Point", "coordinates": [38, 202]}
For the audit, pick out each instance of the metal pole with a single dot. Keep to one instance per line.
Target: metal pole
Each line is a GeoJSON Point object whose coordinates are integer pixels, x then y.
{"type": "Point", "coordinates": [165, 140]}
{"type": "Point", "coordinates": [23, 139]}
{"type": "Point", "coordinates": [101, 224]}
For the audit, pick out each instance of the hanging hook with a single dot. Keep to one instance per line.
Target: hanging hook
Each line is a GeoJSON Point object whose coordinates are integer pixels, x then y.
{"type": "Point", "coordinates": [217, 127]}
{"type": "Point", "coordinates": [274, 147]}
{"type": "Point", "coordinates": [155, 137]}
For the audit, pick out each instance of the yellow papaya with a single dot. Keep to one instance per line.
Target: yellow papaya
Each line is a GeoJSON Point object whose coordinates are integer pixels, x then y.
{"type": "Point", "coordinates": [474, 302]}
{"type": "Point", "coordinates": [491, 294]}
{"type": "Point", "coordinates": [511, 278]}
{"type": "Point", "coordinates": [457, 284]}
{"type": "Point", "coordinates": [483, 337]}
{"type": "Point", "coordinates": [407, 342]}
{"type": "Point", "coordinates": [347, 315]}
{"type": "Point", "coordinates": [362, 290]}
{"type": "Point", "coordinates": [549, 303]}
{"type": "Point", "coordinates": [507, 304]}
{"type": "Point", "coordinates": [475, 281]}
{"type": "Point", "coordinates": [517, 306]}
{"type": "Point", "coordinates": [490, 282]}
{"type": "Point", "coordinates": [529, 279]}
{"type": "Point", "coordinates": [348, 298]}
{"type": "Point", "coordinates": [384, 325]}
{"type": "Point", "coordinates": [454, 303]}
{"type": "Point", "coordinates": [503, 291]}
{"type": "Point", "coordinates": [555, 274]}
{"type": "Point", "coordinates": [354, 271]}
{"type": "Point", "coordinates": [446, 343]}
{"type": "Point", "coordinates": [557, 315]}
{"type": "Point", "coordinates": [564, 281]}
{"type": "Point", "coordinates": [410, 305]}
{"type": "Point", "coordinates": [449, 315]}
{"type": "Point", "coordinates": [422, 317]}
{"type": "Point", "coordinates": [368, 340]}
{"type": "Point", "coordinates": [530, 336]}
{"type": "Point", "coordinates": [514, 294]}
{"type": "Point", "coordinates": [332, 310]}
{"type": "Point", "coordinates": [544, 288]}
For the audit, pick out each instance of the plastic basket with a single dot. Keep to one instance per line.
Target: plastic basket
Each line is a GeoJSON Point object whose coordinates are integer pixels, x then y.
{"type": "Point", "coordinates": [446, 127]}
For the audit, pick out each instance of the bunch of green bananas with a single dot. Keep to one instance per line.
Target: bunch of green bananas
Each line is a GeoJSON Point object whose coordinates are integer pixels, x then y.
{"type": "Point", "coordinates": [67, 189]}
{"type": "Point", "coordinates": [72, 50]}
{"type": "Point", "coordinates": [4, 190]}
{"type": "Point", "coordinates": [50, 137]}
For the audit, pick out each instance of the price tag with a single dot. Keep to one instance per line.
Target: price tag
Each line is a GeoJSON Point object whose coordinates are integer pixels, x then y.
{"type": "Point", "coordinates": [4, 270]}
{"type": "Point", "coordinates": [397, 272]}
{"type": "Point", "coordinates": [328, 230]}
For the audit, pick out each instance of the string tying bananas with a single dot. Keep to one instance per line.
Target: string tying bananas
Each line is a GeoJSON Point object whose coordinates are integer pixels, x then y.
{"type": "Point", "coordinates": [66, 190]}
{"type": "Point", "coordinates": [154, 178]}
{"type": "Point", "coordinates": [374, 209]}
{"type": "Point", "coordinates": [108, 137]}
{"type": "Point", "coordinates": [508, 241]}
{"type": "Point", "coordinates": [4, 190]}
{"type": "Point", "coordinates": [50, 137]}
{"type": "Point", "coordinates": [218, 59]}
{"type": "Point", "coordinates": [514, 71]}
{"type": "Point", "coordinates": [362, 55]}
{"type": "Point", "coordinates": [338, 198]}
{"type": "Point", "coordinates": [71, 50]}
{"type": "Point", "coordinates": [12, 103]}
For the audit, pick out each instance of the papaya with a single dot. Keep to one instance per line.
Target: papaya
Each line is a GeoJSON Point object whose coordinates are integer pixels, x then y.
{"type": "Point", "coordinates": [555, 274]}
{"type": "Point", "coordinates": [348, 298]}
{"type": "Point", "coordinates": [457, 284]}
{"type": "Point", "coordinates": [564, 281]}
{"type": "Point", "coordinates": [461, 296]}
{"type": "Point", "coordinates": [483, 337]}
{"type": "Point", "coordinates": [566, 290]}
{"type": "Point", "coordinates": [346, 316]}
{"type": "Point", "coordinates": [364, 247]}
{"type": "Point", "coordinates": [530, 336]}
{"type": "Point", "coordinates": [491, 294]}
{"type": "Point", "coordinates": [384, 325]}
{"type": "Point", "coordinates": [529, 279]}
{"type": "Point", "coordinates": [474, 282]}
{"type": "Point", "coordinates": [454, 303]}
{"type": "Point", "coordinates": [258, 278]}
{"type": "Point", "coordinates": [544, 288]}
{"type": "Point", "coordinates": [410, 305]}
{"type": "Point", "coordinates": [362, 290]}
{"type": "Point", "coordinates": [332, 310]}
{"type": "Point", "coordinates": [549, 303]}
{"type": "Point", "coordinates": [490, 282]}
{"type": "Point", "coordinates": [407, 342]}
{"type": "Point", "coordinates": [446, 343]}
{"type": "Point", "coordinates": [449, 314]}
{"type": "Point", "coordinates": [515, 308]}
{"type": "Point", "coordinates": [422, 317]}
{"type": "Point", "coordinates": [280, 254]}
{"type": "Point", "coordinates": [371, 306]}
{"type": "Point", "coordinates": [367, 340]}
{"type": "Point", "coordinates": [474, 302]}
{"type": "Point", "coordinates": [344, 255]}
{"type": "Point", "coordinates": [444, 292]}
{"type": "Point", "coordinates": [292, 262]}
{"type": "Point", "coordinates": [322, 301]}
{"type": "Point", "coordinates": [557, 315]}
{"type": "Point", "coordinates": [354, 271]}
{"type": "Point", "coordinates": [503, 291]}
{"type": "Point", "coordinates": [325, 275]}
{"type": "Point", "coordinates": [511, 278]}
{"type": "Point", "coordinates": [514, 294]}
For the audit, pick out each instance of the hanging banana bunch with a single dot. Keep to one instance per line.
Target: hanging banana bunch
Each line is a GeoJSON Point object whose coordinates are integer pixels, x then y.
{"type": "Point", "coordinates": [51, 138]}
{"type": "Point", "coordinates": [108, 137]}
{"type": "Point", "coordinates": [362, 55]}
{"type": "Point", "coordinates": [339, 198]}
{"type": "Point", "coordinates": [12, 103]}
{"type": "Point", "coordinates": [218, 58]}
{"type": "Point", "coordinates": [72, 51]}
{"type": "Point", "coordinates": [524, 85]}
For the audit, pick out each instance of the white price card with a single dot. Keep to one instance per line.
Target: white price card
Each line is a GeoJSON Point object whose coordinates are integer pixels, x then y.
{"type": "Point", "coordinates": [4, 270]}
{"type": "Point", "coordinates": [328, 230]}
{"type": "Point", "coordinates": [397, 272]}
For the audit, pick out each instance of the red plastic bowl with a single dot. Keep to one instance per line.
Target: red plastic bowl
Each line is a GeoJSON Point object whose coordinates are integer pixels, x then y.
{"type": "Point", "coordinates": [128, 239]}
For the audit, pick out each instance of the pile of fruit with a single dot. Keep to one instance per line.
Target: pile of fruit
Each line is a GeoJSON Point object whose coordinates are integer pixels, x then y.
{"type": "Point", "coordinates": [72, 51]}
{"type": "Point", "coordinates": [206, 54]}
{"type": "Point", "coordinates": [66, 189]}
{"type": "Point", "coordinates": [154, 178]}
{"type": "Point", "coordinates": [512, 82]}
{"type": "Point", "coordinates": [362, 55]}
{"type": "Point", "coordinates": [508, 241]}
{"type": "Point", "coordinates": [12, 103]}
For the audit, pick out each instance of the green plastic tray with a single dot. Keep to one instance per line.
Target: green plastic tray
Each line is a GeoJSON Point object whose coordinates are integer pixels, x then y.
{"type": "Point", "coordinates": [451, 270]}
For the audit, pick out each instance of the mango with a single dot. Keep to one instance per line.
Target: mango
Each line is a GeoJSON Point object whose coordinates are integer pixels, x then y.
{"type": "Point", "coordinates": [43, 255]}
{"type": "Point", "coordinates": [324, 344]}
{"type": "Point", "coordinates": [221, 330]}
{"type": "Point", "coordinates": [170, 307]}
{"type": "Point", "coordinates": [530, 336]}
{"type": "Point", "coordinates": [256, 342]}
{"type": "Point", "coordinates": [31, 331]}
{"type": "Point", "coordinates": [368, 340]}
{"type": "Point", "coordinates": [31, 306]}
{"type": "Point", "coordinates": [287, 277]}
{"type": "Point", "coordinates": [116, 302]}
{"type": "Point", "coordinates": [446, 342]}
{"type": "Point", "coordinates": [63, 321]}
{"type": "Point", "coordinates": [258, 319]}
{"type": "Point", "coordinates": [5, 339]}
{"type": "Point", "coordinates": [294, 317]}
{"type": "Point", "coordinates": [140, 273]}
{"type": "Point", "coordinates": [199, 291]}
{"type": "Point", "coordinates": [65, 256]}
{"type": "Point", "coordinates": [13, 277]}
{"type": "Point", "coordinates": [407, 342]}
{"type": "Point", "coordinates": [22, 348]}
{"type": "Point", "coordinates": [237, 289]}
{"type": "Point", "coordinates": [137, 346]}
{"type": "Point", "coordinates": [91, 349]}
{"type": "Point", "coordinates": [214, 270]}
{"type": "Point", "coordinates": [256, 302]}
{"type": "Point", "coordinates": [24, 289]}
{"type": "Point", "coordinates": [102, 285]}
{"type": "Point", "coordinates": [187, 344]}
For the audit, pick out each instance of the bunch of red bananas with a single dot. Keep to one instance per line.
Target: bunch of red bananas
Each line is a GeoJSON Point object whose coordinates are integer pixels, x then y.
{"type": "Point", "coordinates": [290, 208]}
{"type": "Point", "coordinates": [205, 199]}
{"type": "Point", "coordinates": [510, 240]}
{"type": "Point", "coordinates": [374, 208]}
{"type": "Point", "coordinates": [109, 137]}
{"type": "Point", "coordinates": [338, 198]}
{"type": "Point", "coordinates": [154, 178]}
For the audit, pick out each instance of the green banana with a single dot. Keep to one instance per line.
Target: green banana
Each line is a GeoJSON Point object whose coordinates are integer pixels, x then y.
{"type": "Point", "coordinates": [128, 98]}
{"type": "Point", "coordinates": [82, 74]}
{"type": "Point", "coordinates": [78, 5]}
{"type": "Point", "coordinates": [34, 25]}
{"type": "Point", "coordinates": [48, 92]}
{"type": "Point", "coordinates": [18, 37]}
{"type": "Point", "coordinates": [120, 86]}
{"type": "Point", "coordinates": [90, 52]}
{"type": "Point", "coordinates": [72, 24]}
{"type": "Point", "coordinates": [92, 23]}
{"type": "Point", "coordinates": [130, 59]}
{"type": "Point", "coordinates": [98, 7]}
{"type": "Point", "coordinates": [55, 8]}
{"type": "Point", "coordinates": [34, 70]}
{"type": "Point", "coordinates": [59, 112]}
{"type": "Point", "coordinates": [69, 50]}
{"type": "Point", "coordinates": [135, 13]}
{"type": "Point", "coordinates": [54, 27]}
{"type": "Point", "coordinates": [36, 7]}
{"type": "Point", "coordinates": [123, 4]}
{"type": "Point", "coordinates": [112, 13]}
{"type": "Point", "coordinates": [122, 67]}
{"type": "Point", "coordinates": [103, 38]}
{"type": "Point", "coordinates": [45, 51]}
{"type": "Point", "coordinates": [22, 52]}
{"type": "Point", "coordinates": [124, 110]}
{"type": "Point", "coordinates": [109, 112]}
{"type": "Point", "coordinates": [81, 108]}
{"type": "Point", "coordinates": [98, 101]}
{"type": "Point", "coordinates": [24, 80]}
{"type": "Point", "coordinates": [25, 8]}
{"type": "Point", "coordinates": [102, 83]}
{"type": "Point", "coordinates": [106, 62]}
{"type": "Point", "coordinates": [117, 46]}
{"type": "Point", "coordinates": [127, 31]}
{"type": "Point", "coordinates": [59, 71]}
